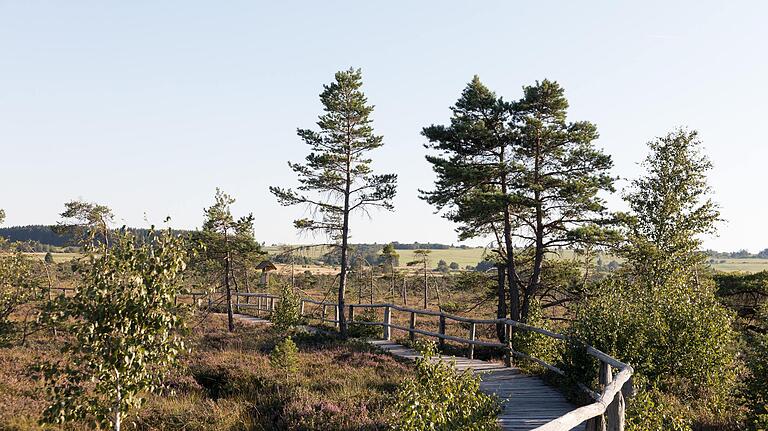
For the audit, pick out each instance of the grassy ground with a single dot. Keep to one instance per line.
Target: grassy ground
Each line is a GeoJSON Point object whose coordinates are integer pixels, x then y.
{"type": "Point", "coordinates": [57, 257]}
{"type": "Point", "coordinates": [462, 256]}
{"type": "Point", "coordinates": [227, 383]}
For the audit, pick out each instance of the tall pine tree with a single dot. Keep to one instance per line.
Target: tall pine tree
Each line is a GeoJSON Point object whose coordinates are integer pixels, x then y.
{"type": "Point", "coordinates": [521, 173]}
{"type": "Point", "coordinates": [337, 180]}
{"type": "Point", "coordinates": [559, 173]}
{"type": "Point", "coordinates": [473, 166]}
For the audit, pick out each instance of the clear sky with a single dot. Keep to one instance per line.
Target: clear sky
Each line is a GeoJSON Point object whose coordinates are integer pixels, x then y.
{"type": "Point", "coordinates": [148, 106]}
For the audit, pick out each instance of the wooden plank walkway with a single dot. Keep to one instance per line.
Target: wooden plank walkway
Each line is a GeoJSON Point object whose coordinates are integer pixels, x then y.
{"type": "Point", "coordinates": [528, 402]}
{"type": "Point", "coordinates": [249, 319]}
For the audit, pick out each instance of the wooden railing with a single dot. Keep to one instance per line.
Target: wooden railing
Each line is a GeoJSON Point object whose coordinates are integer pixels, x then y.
{"type": "Point", "coordinates": [606, 413]}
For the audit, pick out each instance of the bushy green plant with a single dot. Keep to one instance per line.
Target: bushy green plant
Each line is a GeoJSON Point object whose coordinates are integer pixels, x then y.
{"type": "Point", "coordinates": [357, 330]}
{"type": "Point", "coordinates": [285, 357]}
{"type": "Point", "coordinates": [678, 339]}
{"type": "Point", "coordinates": [534, 344]}
{"type": "Point", "coordinates": [18, 285]}
{"type": "Point", "coordinates": [287, 313]}
{"type": "Point", "coordinates": [757, 385]}
{"type": "Point", "coordinates": [441, 399]}
{"type": "Point", "coordinates": [649, 411]}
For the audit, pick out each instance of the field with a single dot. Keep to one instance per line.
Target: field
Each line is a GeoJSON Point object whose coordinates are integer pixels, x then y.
{"type": "Point", "coordinates": [57, 257]}
{"type": "Point", "coordinates": [462, 256]}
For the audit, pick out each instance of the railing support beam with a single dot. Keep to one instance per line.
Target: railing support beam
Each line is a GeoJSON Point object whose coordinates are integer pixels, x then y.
{"type": "Point", "coordinates": [387, 322]}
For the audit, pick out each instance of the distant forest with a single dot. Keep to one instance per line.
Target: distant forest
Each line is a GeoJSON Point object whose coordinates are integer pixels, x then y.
{"type": "Point", "coordinates": [42, 238]}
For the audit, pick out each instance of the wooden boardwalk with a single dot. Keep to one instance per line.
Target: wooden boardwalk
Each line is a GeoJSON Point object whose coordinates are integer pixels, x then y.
{"type": "Point", "coordinates": [528, 402]}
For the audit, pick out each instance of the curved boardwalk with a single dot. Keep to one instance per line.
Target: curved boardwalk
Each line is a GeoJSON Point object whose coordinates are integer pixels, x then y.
{"type": "Point", "coordinates": [528, 402]}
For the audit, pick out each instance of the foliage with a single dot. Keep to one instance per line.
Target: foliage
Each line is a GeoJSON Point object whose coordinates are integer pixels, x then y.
{"type": "Point", "coordinates": [442, 266]}
{"type": "Point", "coordinates": [337, 179]}
{"type": "Point", "coordinates": [18, 285]}
{"type": "Point", "coordinates": [652, 411]}
{"type": "Point", "coordinates": [87, 223]}
{"type": "Point", "coordinates": [679, 339]}
{"type": "Point", "coordinates": [125, 329]}
{"type": "Point", "coordinates": [534, 344]}
{"type": "Point", "coordinates": [365, 331]}
{"type": "Point", "coordinates": [757, 383]}
{"type": "Point", "coordinates": [440, 398]}
{"type": "Point", "coordinates": [228, 243]}
{"type": "Point", "coordinates": [284, 357]}
{"type": "Point", "coordinates": [520, 172]}
{"type": "Point", "coordinates": [389, 257]}
{"type": "Point", "coordinates": [670, 210]}
{"type": "Point", "coordinates": [287, 313]}
{"type": "Point", "coordinates": [226, 383]}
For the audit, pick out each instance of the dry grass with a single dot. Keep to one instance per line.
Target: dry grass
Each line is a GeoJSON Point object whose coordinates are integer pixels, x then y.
{"type": "Point", "coordinates": [227, 383]}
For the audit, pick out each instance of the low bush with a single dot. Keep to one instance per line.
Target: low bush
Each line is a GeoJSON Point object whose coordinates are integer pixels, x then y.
{"type": "Point", "coordinates": [441, 399]}
{"type": "Point", "coordinates": [678, 339]}
{"type": "Point", "coordinates": [284, 357]}
{"type": "Point", "coordinates": [368, 315]}
{"type": "Point", "coordinates": [287, 313]}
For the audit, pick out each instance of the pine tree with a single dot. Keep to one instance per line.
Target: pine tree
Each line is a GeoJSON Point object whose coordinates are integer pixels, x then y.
{"type": "Point", "coordinates": [559, 173]}
{"type": "Point", "coordinates": [337, 181]}
{"type": "Point", "coordinates": [521, 173]}
{"type": "Point", "coordinates": [226, 241]}
{"type": "Point", "coordinates": [473, 167]}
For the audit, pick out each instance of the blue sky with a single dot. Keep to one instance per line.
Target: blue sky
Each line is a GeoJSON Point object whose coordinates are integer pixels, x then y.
{"type": "Point", "coordinates": [148, 106]}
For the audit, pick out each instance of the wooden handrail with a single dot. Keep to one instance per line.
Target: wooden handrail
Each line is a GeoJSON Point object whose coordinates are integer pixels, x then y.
{"type": "Point", "coordinates": [607, 412]}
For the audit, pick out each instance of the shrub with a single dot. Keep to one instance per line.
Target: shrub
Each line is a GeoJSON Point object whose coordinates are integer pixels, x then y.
{"type": "Point", "coordinates": [365, 331]}
{"type": "Point", "coordinates": [757, 385]}
{"type": "Point", "coordinates": [287, 313]}
{"type": "Point", "coordinates": [650, 411]}
{"type": "Point", "coordinates": [534, 344]}
{"type": "Point", "coordinates": [440, 398]}
{"type": "Point", "coordinates": [678, 339]}
{"type": "Point", "coordinates": [285, 357]}
{"type": "Point", "coordinates": [18, 285]}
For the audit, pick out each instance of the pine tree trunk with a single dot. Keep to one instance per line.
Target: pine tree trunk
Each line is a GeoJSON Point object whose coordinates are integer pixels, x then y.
{"type": "Point", "coordinates": [405, 291]}
{"type": "Point", "coordinates": [501, 304]}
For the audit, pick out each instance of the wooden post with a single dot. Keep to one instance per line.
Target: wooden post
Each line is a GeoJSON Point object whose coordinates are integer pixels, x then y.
{"type": "Point", "coordinates": [237, 302]}
{"type": "Point", "coordinates": [441, 330]}
{"type": "Point", "coordinates": [351, 313]}
{"type": "Point", "coordinates": [271, 305]}
{"type": "Point", "coordinates": [508, 340]}
{"type": "Point", "coordinates": [301, 308]}
{"type": "Point", "coordinates": [614, 415]}
{"type": "Point", "coordinates": [387, 322]}
{"type": "Point", "coordinates": [412, 326]}
{"type": "Point", "coordinates": [599, 423]}
{"type": "Point", "coordinates": [322, 314]}
{"type": "Point", "coordinates": [471, 338]}
{"type": "Point", "coordinates": [336, 315]}
{"type": "Point", "coordinates": [605, 376]}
